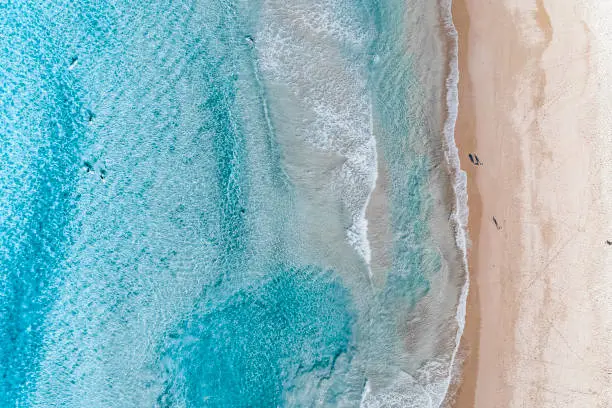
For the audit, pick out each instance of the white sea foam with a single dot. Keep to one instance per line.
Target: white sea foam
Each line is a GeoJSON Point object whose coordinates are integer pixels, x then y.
{"type": "Point", "coordinates": [364, 244]}
{"type": "Point", "coordinates": [459, 216]}
{"type": "Point", "coordinates": [303, 49]}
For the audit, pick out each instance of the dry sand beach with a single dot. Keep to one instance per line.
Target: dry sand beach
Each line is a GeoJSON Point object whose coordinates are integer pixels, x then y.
{"type": "Point", "coordinates": [535, 97]}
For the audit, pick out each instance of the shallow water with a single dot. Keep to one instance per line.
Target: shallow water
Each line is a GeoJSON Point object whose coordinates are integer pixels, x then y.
{"type": "Point", "coordinates": [225, 204]}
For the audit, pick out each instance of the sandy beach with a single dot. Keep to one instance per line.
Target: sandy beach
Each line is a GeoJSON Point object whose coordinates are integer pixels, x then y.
{"type": "Point", "coordinates": [534, 95]}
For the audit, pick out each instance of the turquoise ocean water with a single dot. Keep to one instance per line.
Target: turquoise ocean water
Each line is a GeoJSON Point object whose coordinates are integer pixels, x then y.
{"type": "Point", "coordinates": [213, 203]}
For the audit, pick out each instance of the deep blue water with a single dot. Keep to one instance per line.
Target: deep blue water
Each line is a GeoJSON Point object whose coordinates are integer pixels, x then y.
{"type": "Point", "coordinates": [183, 191]}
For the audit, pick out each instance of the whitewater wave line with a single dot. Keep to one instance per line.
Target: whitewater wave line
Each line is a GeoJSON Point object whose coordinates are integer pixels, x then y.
{"type": "Point", "coordinates": [460, 211]}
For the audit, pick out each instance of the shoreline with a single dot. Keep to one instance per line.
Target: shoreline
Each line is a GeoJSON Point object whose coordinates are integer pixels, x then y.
{"type": "Point", "coordinates": [463, 384]}
{"type": "Point", "coordinates": [458, 179]}
{"type": "Point", "coordinates": [455, 196]}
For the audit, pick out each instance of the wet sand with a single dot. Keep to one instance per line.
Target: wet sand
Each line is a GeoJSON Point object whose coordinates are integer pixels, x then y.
{"type": "Point", "coordinates": [534, 108]}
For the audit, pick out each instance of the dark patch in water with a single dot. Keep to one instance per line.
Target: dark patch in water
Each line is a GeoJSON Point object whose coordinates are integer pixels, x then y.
{"type": "Point", "coordinates": [248, 351]}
